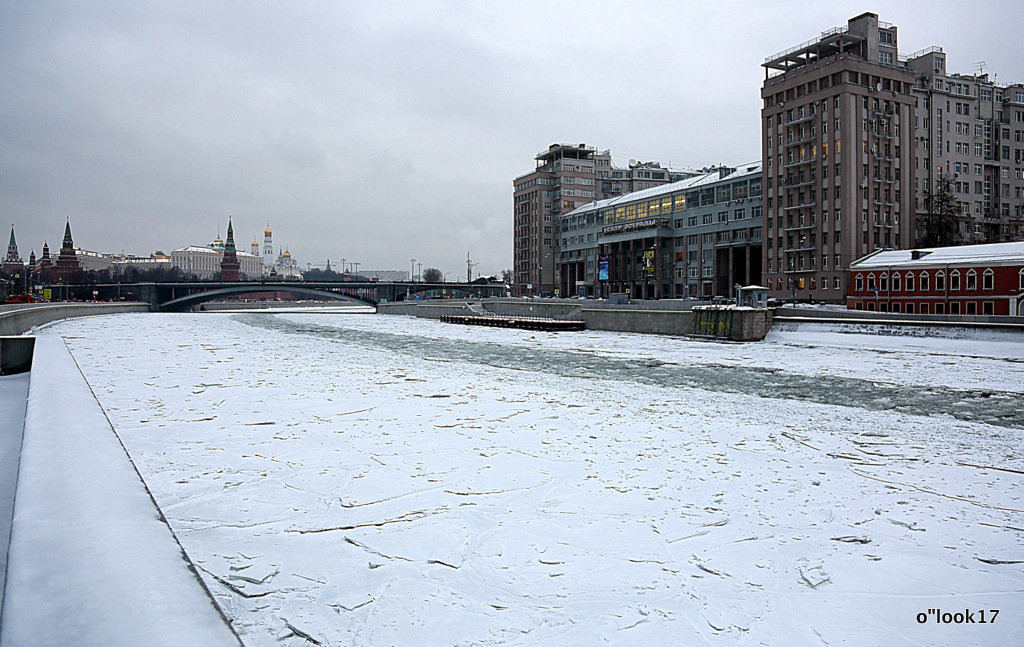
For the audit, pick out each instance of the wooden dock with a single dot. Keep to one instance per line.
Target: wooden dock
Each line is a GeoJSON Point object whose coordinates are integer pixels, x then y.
{"type": "Point", "coordinates": [524, 323]}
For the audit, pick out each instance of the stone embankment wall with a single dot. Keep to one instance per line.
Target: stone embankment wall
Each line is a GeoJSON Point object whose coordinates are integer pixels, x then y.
{"type": "Point", "coordinates": [664, 317]}
{"type": "Point", "coordinates": [17, 319]}
{"type": "Point", "coordinates": [822, 315]}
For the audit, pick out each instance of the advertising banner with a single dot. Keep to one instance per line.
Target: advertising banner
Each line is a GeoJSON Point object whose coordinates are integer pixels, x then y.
{"type": "Point", "coordinates": [602, 268]}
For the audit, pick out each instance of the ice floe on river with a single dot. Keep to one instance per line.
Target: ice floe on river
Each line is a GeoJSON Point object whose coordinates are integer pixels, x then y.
{"type": "Point", "coordinates": [374, 480]}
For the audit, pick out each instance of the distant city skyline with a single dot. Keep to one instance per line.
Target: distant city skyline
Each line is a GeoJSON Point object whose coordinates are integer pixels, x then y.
{"type": "Point", "coordinates": [378, 134]}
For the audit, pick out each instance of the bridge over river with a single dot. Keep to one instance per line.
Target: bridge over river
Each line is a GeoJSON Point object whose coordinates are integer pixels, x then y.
{"type": "Point", "coordinates": [179, 296]}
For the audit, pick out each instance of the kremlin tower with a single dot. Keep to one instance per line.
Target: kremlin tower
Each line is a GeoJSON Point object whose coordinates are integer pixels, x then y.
{"type": "Point", "coordinates": [229, 261]}
{"type": "Point", "coordinates": [12, 264]}
{"type": "Point", "coordinates": [45, 263]}
{"type": "Point", "coordinates": [68, 267]}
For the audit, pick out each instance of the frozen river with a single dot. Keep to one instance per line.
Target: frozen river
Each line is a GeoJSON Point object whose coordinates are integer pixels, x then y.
{"type": "Point", "coordinates": [351, 479]}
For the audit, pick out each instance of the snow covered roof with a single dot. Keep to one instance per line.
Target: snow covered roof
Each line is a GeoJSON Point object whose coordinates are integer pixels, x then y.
{"type": "Point", "coordinates": [752, 169]}
{"type": "Point", "coordinates": [990, 254]}
{"type": "Point", "coordinates": [198, 249]}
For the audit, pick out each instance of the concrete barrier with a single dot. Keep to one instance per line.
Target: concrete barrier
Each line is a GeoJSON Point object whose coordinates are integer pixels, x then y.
{"type": "Point", "coordinates": [18, 319]}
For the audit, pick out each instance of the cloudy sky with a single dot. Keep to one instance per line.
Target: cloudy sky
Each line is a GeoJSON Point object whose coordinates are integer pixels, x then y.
{"type": "Point", "coordinates": [384, 131]}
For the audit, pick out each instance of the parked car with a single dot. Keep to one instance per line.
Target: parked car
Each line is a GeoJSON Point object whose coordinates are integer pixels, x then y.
{"type": "Point", "coordinates": [22, 298]}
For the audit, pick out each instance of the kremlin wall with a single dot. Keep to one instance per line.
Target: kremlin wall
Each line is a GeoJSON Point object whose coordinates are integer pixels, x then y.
{"type": "Point", "coordinates": [218, 259]}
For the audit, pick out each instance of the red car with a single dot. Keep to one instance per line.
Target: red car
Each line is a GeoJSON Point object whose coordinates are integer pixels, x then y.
{"type": "Point", "coordinates": [22, 298]}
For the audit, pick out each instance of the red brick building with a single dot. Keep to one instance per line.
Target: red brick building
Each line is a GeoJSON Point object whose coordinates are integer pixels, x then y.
{"type": "Point", "coordinates": [971, 279]}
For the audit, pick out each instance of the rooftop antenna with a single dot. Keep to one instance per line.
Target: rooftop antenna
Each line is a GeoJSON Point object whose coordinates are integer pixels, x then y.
{"type": "Point", "coordinates": [980, 65]}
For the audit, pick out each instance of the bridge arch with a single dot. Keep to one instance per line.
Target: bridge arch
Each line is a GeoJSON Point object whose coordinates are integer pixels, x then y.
{"type": "Point", "coordinates": [184, 303]}
{"type": "Point", "coordinates": [443, 291]}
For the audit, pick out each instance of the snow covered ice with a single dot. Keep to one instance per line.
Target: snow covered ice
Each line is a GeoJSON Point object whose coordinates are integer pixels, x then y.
{"type": "Point", "coordinates": [345, 479]}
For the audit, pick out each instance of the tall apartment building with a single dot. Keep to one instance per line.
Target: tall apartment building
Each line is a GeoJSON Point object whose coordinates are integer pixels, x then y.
{"type": "Point", "coordinates": [838, 156]}
{"type": "Point", "coordinates": [971, 131]}
{"type": "Point", "coordinates": [565, 177]}
{"type": "Point", "coordinates": [855, 136]}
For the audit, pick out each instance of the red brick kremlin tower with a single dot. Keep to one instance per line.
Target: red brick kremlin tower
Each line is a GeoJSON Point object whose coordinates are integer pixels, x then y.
{"type": "Point", "coordinates": [12, 264]}
{"type": "Point", "coordinates": [68, 266]}
{"type": "Point", "coordinates": [229, 261]}
{"type": "Point", "coordinates": [45, 264]}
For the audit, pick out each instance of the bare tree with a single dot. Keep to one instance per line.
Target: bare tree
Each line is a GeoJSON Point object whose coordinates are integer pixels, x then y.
{"type": "Point", "coordinates": [432, 275]}
{"type": "Point", "coordinates": [940, 227]}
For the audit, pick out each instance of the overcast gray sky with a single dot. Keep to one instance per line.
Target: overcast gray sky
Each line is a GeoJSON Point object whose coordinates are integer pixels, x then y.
{"type": "Point", "coordinates": [385, 131]}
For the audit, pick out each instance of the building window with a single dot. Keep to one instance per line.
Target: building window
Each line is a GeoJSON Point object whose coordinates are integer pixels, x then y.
{"type": "Point", "coordinates": [954, 280]}
{"type": "Point", "coordinates": [940, 281]}
{"type": "Point", "coordinates": [836, 283]}
{"type": "Point", "coordinates": [883, 282]}
{"type": "Point", "coordinates": [924, 281]}
{"type": "Point", "coordinates": [1020, 280]}
{"type": "Point", "coordinates": [988, 308]}
{"type": "Point", "coordinates": [896, 282]}
{"type": "Point", "coordinates": [972, 307]}
{"type": "Point", "coordinates": [972, 280]}
{"type": "Point", "coordinates": [859, 280]}
{"type": "Point", "coordinates": [871, 283]}
{"type": "Point", "coordinates": [910, 282]}
{"type": "Point", "coordinates": [988, 280]}
{"type": "Point", "coordinates": [954, 308]}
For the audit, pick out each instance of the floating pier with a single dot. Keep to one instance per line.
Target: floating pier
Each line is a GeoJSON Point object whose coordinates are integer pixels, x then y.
{"type": "Point", "coordinates": [525, 323]}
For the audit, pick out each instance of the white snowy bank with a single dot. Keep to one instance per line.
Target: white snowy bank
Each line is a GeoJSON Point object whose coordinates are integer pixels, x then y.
{"type": "Point", "coordinates": [91, 562]}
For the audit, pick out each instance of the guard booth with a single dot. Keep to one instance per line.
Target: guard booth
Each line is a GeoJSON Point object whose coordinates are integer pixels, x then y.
{"type": "Point", "coordinates": [753, 296]}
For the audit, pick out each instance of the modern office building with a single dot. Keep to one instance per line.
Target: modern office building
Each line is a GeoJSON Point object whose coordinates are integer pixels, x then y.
{"type": "Point", "coordinates": [696, 237]}
{"type": "Point", "coordinates": [855, 138]}
{"type": "Point", "coordinates": [565, 177]}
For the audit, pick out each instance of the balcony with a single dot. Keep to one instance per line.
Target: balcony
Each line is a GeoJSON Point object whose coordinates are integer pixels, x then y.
{"type": "Point", "coordinates": [798, 163]}
{"type": "Point", "coordinates": [803, 205]}
{"type": "Point", "coordinates": [799, 227]}
{"type": "Point", "coordinates": [802, 140]}
{"type": "Point", "coordinates": [798, 183]}
{"type": "Point", "coordinates": [798, 120]}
